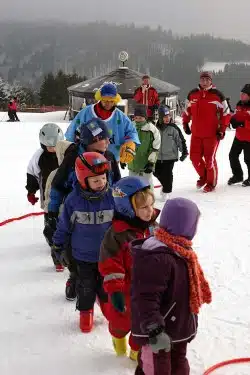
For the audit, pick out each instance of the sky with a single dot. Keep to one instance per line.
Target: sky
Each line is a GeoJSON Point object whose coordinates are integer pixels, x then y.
{"type": "Point", "coordinates": [227, 18]}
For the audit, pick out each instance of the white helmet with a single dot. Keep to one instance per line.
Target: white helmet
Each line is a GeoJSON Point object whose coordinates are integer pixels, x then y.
{"type": "Point", "coordinates": [50, 134]}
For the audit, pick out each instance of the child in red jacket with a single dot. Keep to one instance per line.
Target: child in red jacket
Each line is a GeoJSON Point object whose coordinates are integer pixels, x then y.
{"type": "Point", "coordinates": [241, 122]}
{"type": "Point", "coordinates": [134, 214]}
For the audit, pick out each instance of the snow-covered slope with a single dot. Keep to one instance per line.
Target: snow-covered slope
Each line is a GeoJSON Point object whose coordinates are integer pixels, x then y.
{"type": "Point", "coordinates": [39, 329]}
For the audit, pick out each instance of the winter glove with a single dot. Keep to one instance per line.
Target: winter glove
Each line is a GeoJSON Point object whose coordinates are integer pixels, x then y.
{"type": "Point", "coordinates": [183, 157]}
{"type": "Point", "coordinates": [127, 152]}
{"type": "Point", "coordinates": [32, 198]}
{"type": "Point", "coordinates": [149, 167]}
{"type": "Point", "coordinates": [220, 135]}
{"type": "Point", "coordinates": [123, 165]}
{"type": "Point", "coordinates": [118, 301]}
{"type": "Point", "coordinates": [187, 129]}
{"type": "Point", "coordinates": [158, 339]}
{"type": "Point", "coordinates": [236, 124]}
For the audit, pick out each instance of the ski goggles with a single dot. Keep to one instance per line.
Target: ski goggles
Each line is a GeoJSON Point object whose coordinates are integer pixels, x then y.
{"type": "Point", "coordinates": [98, 166]}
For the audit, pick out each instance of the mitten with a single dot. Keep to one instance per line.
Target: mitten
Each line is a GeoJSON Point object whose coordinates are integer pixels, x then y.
{"type": "Point", "coordinates": [236, 124]}
{"type": "Point", "coordinates": [183, 157]}
{"type": "Point", "coordinates": [123, 165]}
{"type": "Point", "coordinates": [127, 152]}
{"type": "Point", "coordinates": [118, 301]}
{"type": "Point", "coordinates": [158, 339]}
{"type": "Point", "coordinates": [32, 198]}
{"type": "Point", "coordinates": [220, 135]}
{"type": "Point", "coordinates": [149, 167]}
{"type": "Point", "coordinates": [187, 129]}
{"type": "Point", "coordinates": [52, 219]}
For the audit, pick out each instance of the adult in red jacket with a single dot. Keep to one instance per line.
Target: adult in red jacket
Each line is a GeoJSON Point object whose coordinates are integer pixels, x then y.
{"type": "Point", "coordinates": [210, 115]}
{"type": "Point", "coordinates": [147, 95]}
{"type": "Point", "coordinates": [241, 122]}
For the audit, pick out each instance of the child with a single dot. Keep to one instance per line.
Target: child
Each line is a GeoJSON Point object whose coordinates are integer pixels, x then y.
{"type": "Point", "coordinates": [168, 289]}
{"type": "Point", "coordinates": [86, 216]}
{"type": "Point", "coordinates": [241, 122]}
{"type": "Point", "coordinates": [50, 225]}
{"type": "Point", "coordinates": [42, 163]}
{"type": "Point", "coordinates": [91, 136]}
{"type": "Point", "coordinates": [172, 141]}
{"type": "Point", "coordinates": [146, 154]}
{"type": "Point", "coordinates": [134, 214]}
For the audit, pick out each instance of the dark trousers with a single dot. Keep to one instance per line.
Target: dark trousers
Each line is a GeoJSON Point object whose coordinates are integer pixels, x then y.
{"type": "Point", "coordinates": [11, 115]}
{"type": "Point", "coordinates": [15, 116]}
{"type": "Point", "coordinates": [164, 173]}
{"type": "Point", "coordinates": [89, 285]}
{"type": "Point", "coordinates": [173, 363]}
{"type": "Point", "coordinates": [236, 150]}
{"type": "Point", "coordinates": [48, 234]}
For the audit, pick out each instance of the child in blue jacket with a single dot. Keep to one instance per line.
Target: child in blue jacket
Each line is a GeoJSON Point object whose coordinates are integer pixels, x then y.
{"type": "Point", "coordinates": [86, 216]}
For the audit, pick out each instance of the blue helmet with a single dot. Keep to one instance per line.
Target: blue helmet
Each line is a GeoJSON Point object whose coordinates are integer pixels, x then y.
{"type": "Point", "coordinates": [163, 110]}
{"type": "Point", "coordinates": [123, 190]}
{"type": "Point", "coordinates": [93, 131]}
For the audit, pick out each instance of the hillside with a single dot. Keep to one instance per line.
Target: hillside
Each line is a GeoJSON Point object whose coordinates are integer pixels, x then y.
{"type": "Point", "coordinates": [28, 51]}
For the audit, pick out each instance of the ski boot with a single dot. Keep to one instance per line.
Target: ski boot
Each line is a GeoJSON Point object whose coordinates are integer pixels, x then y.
{"type": "Point", "coordinates": [120, 345]}
{"type": "Point", "coordinates": [234, 180]}
{"type": "Point", "coordinates": [70, 289]}
{"type": "Point", "coordinates": [200, 183]}
{"type": "Point", "coordinates": [208, 188]}
{"type": "Point", "coordinates": [246, 183]}
{"type": "Point", "coordinates": [59, 268]}
{"type": "Point", "coordinates": [86, 320]}
{"type": "Point", "coordinates": [133, 355]}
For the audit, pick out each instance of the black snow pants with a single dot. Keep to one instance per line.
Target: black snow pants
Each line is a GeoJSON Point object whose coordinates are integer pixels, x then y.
{"type": "Point", "coordinates": [164, 173]}
{"type": "Point", "coordinates": [236, 149]}
{"type": "Point", "coordinates": [89, 285]}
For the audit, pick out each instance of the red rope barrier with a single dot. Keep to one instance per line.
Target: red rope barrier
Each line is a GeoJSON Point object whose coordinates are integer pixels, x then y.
{"type": "Point", "coordinates": [34, 214]}
{"type": "Point", "coordinates": [226, 363]}
{"type": "Point", "coordinates": [20, 218]}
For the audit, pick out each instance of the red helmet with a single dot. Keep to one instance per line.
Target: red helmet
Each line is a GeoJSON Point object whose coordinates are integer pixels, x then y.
{"type": "Point", "coordinates": [90, 164]}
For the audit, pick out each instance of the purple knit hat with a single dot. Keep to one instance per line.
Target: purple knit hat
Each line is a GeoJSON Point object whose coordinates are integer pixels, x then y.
{"type": "Point", "coordinates": [180, 217]}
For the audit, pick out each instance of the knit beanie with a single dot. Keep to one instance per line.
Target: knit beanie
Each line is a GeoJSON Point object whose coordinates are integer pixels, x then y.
{"type": "Point", "coordinates": [246, 89]}
{"type": "Point", "coordinates": [93, 131]}
{"type": "Point", "coordinates": [208, 75]}
{"type": "Point", "coordinates": [140, 110]}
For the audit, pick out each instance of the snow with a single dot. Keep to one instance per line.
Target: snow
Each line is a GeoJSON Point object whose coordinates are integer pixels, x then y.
{"type": "Point", "coordinates": [39, 329]}
{"type": "Point", "coordinates": [217, 66]}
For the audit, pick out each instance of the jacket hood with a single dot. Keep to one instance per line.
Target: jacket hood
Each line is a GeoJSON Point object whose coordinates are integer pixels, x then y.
{"type": "Point", "coordinates": [61, 148]}
{"type": "Point", "coordinates": [180, 217]}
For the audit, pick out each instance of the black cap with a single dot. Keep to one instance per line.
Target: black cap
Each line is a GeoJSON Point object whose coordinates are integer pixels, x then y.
{"type": "Point", "coordinates": [140, 110]}
{"type": "Point", "coordinates": [246, 89]}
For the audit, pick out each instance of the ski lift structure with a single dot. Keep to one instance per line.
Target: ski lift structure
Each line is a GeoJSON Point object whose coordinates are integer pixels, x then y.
{"type": "Point", "coordinates": [127, 80]}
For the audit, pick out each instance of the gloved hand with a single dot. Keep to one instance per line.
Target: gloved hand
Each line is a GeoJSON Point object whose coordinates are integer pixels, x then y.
{"type": "Point", "coordinates": [183, 157]}
{"type": "Point", "coordinates": [123, 165]}
{"type": "Point", "coordinates": [127, 152]}
{"type": "Point", "coordinates": [158, 339]}
{"type": "Point", "coordinates": [149, 167]}
{"type": "Point", "coordinates": [187, 129]}
{"type": "Point", "coordinates": [57, 251]}
{"type": "Point", "coordinates": [32, 198]}
{"type": "Point", "coordinates": [118, 301]}
{"type": "Point", "coordinates": [236, 124]}
{"type": "Point", "coordinates": [220, 135]}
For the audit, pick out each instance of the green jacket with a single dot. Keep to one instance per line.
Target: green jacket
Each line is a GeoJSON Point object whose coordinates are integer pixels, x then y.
{"type": "Point", "coordinates": [150, 140]}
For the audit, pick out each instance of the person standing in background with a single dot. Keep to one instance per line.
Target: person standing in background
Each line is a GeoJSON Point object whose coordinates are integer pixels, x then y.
{"type": "Point", "coordinates": [147, 95]}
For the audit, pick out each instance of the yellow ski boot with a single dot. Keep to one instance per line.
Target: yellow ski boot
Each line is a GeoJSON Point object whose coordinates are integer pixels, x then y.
{"type": "Point", "coordinates": [133, 355]}
{"type": "Point", "coordinates": [120, 345]}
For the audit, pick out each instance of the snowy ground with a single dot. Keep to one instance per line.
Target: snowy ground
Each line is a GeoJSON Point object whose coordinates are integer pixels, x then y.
{"type": "Point", "coordinates": [39, 329]}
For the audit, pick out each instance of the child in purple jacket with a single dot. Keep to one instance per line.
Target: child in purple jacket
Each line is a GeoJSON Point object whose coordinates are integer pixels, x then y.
{"type": "Point", "coordinates": [168, 289]}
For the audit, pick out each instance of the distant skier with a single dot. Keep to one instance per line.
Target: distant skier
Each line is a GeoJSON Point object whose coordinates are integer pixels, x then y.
{"type": "Point", "coordinates": [210, 114]}
{"type": "Point", "coordinates": [147, 95]}
{"type": "Point", "coordinates": [12, 110]}
{"type": "Point", "coordinates": [122, 133]}
{"type": "Point", "coordinates": [241, 122]}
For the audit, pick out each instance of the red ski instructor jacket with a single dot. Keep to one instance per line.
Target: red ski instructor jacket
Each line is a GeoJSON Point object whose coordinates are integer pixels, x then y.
{"type": "Point", "coordinates": [208, 110]}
